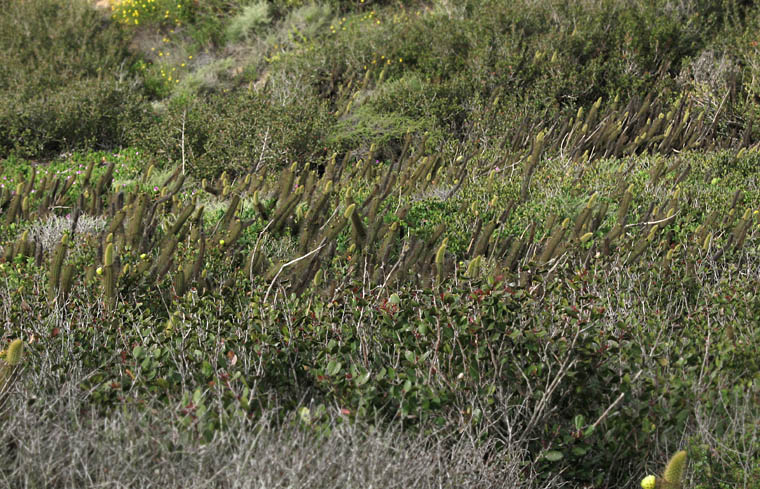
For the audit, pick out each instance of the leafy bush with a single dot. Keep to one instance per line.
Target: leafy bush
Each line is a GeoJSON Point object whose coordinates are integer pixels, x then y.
{"type": "Point", "coordinates": [284, 7]}
{"type": "Point", "coordinates": [64, 84]}
{"type": "Point", "coordinates": [440, 103]}
{"type": "Point", "coordinates": [85, 113]}
{"type": "Point", "coordinates": [251, 18]}
{"type": "Point", "coordinates": [236, 132]}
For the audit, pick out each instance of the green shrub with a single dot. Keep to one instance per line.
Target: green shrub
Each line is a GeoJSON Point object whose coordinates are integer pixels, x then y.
{"type": "Point", "coordinates": [85, 113]}
{"type": "Point", "coordinates": [235, 132]}
{"type": "Point", "coordinates": [248, 21]}
{"type": "Point", "coordinates": [64, 82]}
{"type": "Point", "coordinates": [365, 126]}
{"type": "Point", "coordinates": [442, 104]}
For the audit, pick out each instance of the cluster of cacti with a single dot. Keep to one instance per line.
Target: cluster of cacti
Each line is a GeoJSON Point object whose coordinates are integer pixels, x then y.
{"type": "Point", "coordinates": [151, 235]}
{"type": "Point", "coordinates": [23, 247]}
{"type": "Point", "coordinates": [671, 477]}
{"type": "Point", "coordinates": [34, 197]}
{"type": "Point", "coordinates": [642, 125]}
{"type": "Point", "coordinates": [59, 274]}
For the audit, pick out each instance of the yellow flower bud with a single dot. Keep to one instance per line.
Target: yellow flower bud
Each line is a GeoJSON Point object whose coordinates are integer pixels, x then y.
{"type": "Point", "coordinates": [648, 482]}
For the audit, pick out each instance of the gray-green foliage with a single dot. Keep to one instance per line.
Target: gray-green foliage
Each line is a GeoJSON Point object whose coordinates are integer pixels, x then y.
{"type": "Point", "coordinates": [248, 22]}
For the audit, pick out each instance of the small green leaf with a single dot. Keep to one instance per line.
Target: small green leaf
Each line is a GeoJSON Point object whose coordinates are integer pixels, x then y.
{"type": "Point", "coordinates": [206, 369]}
{"type": "Point", "coordinates": [553, 456]}
{"type": "Point", "coordinates": [409, 356]}
{"type": "Point", "coordinates": [476, 415]}
{"type": "Point", "coordinates": [362, 379]}
{"type": "Point", "coordinates": [333, 368]}
{"type": "Point", "coordinates": [579, 450]}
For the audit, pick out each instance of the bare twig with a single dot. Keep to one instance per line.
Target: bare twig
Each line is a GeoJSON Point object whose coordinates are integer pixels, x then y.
{"type": "Point", "coordinates": [551, 386]}
{"type": "Point", "coordinates": [263, 149]}
{"type": "Point", "coordinates": [295, 260]}
{"type": "Point", "coordinates": [184, 114]}
{"type": "Point", "coordinates": [614, 403]}
{"type": "Point", "coordinates": [652, 222]}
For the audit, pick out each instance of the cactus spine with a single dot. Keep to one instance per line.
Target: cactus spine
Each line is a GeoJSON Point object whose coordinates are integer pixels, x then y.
{"type": "Point", "coordinates": [67, 274]}
{"type": "Point", "coordinates": [184, 215]}
{"type": "Point", "coordinates": [551, 246]}
{"type": "Point", "coordinates": [359, 230]}
{"type": "Point", "coordinates": [15, 204]}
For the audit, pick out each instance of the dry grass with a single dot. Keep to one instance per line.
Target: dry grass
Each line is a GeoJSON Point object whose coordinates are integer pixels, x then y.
{"type": "Point", "coordinates": [50, 231]}
{"type": "Point", "coordinates": [51, 439]}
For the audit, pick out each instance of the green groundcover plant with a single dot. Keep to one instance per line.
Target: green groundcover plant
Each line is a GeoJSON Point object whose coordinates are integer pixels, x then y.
{"type": "Point", "coordinates": [418, 244]}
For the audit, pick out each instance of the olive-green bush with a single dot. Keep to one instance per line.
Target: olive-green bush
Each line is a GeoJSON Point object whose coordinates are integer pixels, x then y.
{"type": "Point", "coordinates": [65, 81]}
{"type": "Point", "coordinates": [236, 132]}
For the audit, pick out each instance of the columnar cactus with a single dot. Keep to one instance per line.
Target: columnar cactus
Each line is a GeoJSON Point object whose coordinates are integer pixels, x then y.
{"type": "Point", "coordinates": [671, 478]}
{"type": "Point", "coordinates": [56, 265]}
{"type": "Point", "coordinates": [11, 358]}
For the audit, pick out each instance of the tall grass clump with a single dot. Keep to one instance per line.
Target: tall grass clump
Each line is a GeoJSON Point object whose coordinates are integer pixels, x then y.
{"type": "Point", "coordinates": [246, 23]}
